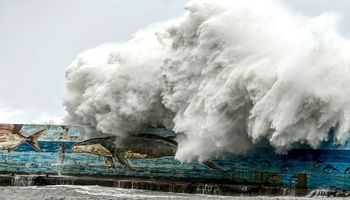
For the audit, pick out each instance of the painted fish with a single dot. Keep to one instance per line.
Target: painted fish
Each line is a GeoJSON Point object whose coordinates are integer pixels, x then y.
{"type": "Point", "coordinates": [293, 179]}
{"type": "Point", "coordinates": [329, 169]}
{"type": "Point", "coordinates": [11, 137]}
{"type": "Point", "coordinates": [318, 164]}
{"type": "Point", "coordinates": [140, 146]}
{"type": "Point", "coordinates": [347, 170]}
{"type": "Point", "coordinates": [266, 163]}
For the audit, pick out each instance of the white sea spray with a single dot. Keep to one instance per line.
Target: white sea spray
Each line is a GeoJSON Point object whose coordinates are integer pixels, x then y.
{"type": "Point", "coordinates": [224, 76]}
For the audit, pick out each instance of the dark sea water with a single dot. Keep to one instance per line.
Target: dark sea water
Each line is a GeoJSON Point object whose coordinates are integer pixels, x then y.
{"type": "Point", "coordinates": [67, 192]}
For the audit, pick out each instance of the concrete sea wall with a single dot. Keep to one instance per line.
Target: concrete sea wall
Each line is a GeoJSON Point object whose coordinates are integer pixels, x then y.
{"type": "Point", "coordinates": [261, 171]}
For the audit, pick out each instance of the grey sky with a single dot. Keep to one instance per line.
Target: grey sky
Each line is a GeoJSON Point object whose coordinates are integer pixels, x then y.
{"type": "Point", "coordinates": [40, 38]}
{"type": "Point", "coordinates": [316, 7]}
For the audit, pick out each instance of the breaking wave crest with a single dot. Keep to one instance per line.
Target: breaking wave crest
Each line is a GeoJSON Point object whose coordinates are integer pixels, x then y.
{"type": "Point", "coordinates": [224, 76]}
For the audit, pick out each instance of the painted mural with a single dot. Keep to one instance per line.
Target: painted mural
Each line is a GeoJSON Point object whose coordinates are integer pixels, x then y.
{"type": "Point", "coordinates": [68, 150]}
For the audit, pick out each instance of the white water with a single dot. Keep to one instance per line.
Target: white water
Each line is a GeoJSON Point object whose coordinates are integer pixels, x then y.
{"type": "Point", "coordinates": [100, 193]}
{"type": "Point", "coordinates": [224, 76]}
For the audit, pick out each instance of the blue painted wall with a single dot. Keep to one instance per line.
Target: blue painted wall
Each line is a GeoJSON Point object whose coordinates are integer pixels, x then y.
{"type": "Point", "coordinates": [328, 167]}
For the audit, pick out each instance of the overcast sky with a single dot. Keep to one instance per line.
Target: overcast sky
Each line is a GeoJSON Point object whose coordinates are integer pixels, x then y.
{"type": "Point", "coordinates": [40, 38]}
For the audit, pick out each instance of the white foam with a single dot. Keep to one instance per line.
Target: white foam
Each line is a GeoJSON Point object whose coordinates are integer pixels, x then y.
{"type": "Point", "coordinates": [224, 76]}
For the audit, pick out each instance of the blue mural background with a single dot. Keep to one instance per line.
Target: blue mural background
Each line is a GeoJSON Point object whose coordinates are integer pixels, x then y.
{"type": "Point", "coordinates": [327, 167]}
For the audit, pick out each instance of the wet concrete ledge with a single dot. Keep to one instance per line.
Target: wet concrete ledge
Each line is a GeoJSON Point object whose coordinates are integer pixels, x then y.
{"type": "Point", "coordinates": [182, 186]}
{"type": "Point", "coordinates": [198, 186]}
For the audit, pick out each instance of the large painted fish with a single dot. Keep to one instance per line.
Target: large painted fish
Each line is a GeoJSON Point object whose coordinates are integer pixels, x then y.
{"type": "Point", "coordinates": [11, 137]}
{"type": "Point", "coordinates": [140, 146]}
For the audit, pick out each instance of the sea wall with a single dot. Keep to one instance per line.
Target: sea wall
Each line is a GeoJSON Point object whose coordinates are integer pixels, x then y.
{"type": "Point", "coordinates": [260, 171]}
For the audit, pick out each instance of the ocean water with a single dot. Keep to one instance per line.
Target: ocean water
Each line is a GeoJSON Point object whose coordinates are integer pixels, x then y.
{"type": "Point", "coordinates": [70, 192]}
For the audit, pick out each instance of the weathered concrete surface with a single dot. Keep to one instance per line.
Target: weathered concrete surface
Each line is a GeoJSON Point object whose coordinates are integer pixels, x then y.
{"type": "Point", "coordinates": [195, 186]}
{"type": "Point", "coordinates": [180, 186]}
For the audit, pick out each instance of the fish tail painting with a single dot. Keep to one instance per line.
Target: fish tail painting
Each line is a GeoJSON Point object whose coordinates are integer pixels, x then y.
{"type": "Point", "coordinates": [212, 165]}
{"type": "Point", "coordinates": [11, 137]}
{"type": "Point", "coordinates": [33, 139]}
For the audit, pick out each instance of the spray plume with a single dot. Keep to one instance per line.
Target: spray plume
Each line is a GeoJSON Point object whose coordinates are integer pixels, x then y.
{"type": "Point", "coordinates": [226, 75]}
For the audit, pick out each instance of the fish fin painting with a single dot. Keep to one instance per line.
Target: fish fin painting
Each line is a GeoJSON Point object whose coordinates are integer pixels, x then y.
{"type": "Point", "coordinates": [109, 162]}
{"type": "Point", "coordinates": [212, 165]}
{"type": "Point", "coordinates": [17, 128]}
{"type": "Point", "coordinates": [121, 157]}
